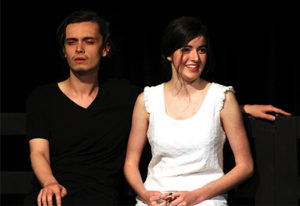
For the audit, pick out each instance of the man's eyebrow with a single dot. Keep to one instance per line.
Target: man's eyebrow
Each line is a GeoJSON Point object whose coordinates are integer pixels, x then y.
{"type": "Point", "coordinates": [76, 39]}
{"type": "Point", "coordinates": [89, 37]}
{"type": "Point", "coordinates": [71, 39]}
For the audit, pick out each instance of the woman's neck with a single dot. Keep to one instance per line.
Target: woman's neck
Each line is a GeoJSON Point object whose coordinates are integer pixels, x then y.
{"type": "Point", "coordinates": [180, 87]}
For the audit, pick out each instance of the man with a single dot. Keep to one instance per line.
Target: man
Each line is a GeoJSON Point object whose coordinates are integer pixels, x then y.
{"type": "Point", "coordinates": [78, 128]}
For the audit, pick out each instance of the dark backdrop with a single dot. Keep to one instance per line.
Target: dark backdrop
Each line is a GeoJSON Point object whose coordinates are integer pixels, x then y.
{"type": "Point", "coordinates": [256, 45]}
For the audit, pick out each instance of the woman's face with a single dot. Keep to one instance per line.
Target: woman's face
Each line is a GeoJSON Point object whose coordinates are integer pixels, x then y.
{"type": "Point", "coordinates": [189, 61]}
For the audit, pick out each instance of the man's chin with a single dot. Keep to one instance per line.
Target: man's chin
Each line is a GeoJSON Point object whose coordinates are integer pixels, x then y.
{"type": "Point", "coordinates": [83, 71]}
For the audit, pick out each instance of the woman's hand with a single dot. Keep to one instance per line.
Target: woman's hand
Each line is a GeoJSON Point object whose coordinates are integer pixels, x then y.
{"type": "Point", "coordinates": [45, 196]}
{"type": "Point", "coordinates": [153, 198]}
{"type": "Point", "coordinates": [183, 198]}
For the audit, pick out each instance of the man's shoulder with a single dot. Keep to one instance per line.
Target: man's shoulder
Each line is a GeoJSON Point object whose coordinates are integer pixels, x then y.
{"type": "Point", "coordinates": [121, 85]}
{"type": "Point", "coordinates": [43, 91]}
{"type": "Point", "coordinates": [122, 89]}
{"type": "Point", "coordinates": [117, 81]}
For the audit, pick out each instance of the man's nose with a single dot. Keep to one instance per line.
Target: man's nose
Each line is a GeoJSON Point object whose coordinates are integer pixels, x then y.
{"type": "Point", "coordinates": [80, 48]}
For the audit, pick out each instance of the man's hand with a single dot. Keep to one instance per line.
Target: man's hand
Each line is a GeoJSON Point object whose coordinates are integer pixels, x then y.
{"type": "Point", "coordinates": [268, 112]}
{"type": "Point", "coordinates": [45, 196]}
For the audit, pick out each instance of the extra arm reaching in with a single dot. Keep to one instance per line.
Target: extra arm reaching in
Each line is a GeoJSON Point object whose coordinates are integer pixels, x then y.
{"type": "Point", "coordinates": [268, 112]}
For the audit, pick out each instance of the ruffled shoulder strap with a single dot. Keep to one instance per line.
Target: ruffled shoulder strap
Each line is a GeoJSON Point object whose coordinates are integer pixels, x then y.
{"type": "Point", "coordinates": [147, 98]}
{"type": "Point", "coordinates": [221, 94]}
{"type": "Point", "coordinates": [151, 97]}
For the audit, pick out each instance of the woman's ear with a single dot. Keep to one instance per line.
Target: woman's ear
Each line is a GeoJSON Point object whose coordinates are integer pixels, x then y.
{"type": "Point", "coordinates": [169, 58]}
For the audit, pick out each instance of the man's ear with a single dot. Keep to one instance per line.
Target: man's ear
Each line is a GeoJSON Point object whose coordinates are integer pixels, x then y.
{"type": "Point", "coordinates": [64, 52]}
{"type": "Point", "coordinates": [106, 50]}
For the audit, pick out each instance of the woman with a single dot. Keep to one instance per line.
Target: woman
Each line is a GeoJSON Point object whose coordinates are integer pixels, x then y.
{"type": "Point", "coordinates": [186, 121]}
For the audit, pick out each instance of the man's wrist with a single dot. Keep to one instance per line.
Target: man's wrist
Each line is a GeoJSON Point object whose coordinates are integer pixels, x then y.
{"type": "Point", "coordinates": [49, 180]}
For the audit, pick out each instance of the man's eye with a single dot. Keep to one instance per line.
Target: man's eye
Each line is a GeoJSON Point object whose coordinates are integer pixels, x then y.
{"type": "Point", "coordinates": [90, 42]}
{"type": "Point", "coordinates": [70, 42]}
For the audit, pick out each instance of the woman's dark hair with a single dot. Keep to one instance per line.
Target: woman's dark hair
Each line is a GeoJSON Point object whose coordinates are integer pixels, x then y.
{"type": "Point", "coordinates": [85, 16]}
{"type": "Point", "coordinates": [179, 33]}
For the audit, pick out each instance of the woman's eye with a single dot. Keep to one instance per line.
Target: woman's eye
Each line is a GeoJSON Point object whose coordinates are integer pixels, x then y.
{"type": "Point", "coordinates": [202, 50]}
{"type": "Point", "coordinates": [185, 49]}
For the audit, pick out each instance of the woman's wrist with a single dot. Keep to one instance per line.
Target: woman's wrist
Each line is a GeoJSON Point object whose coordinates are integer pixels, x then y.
{"type": "Point", "coordinates": [203, 194]}
{"type": "Point", "coordinates": [143, 194]}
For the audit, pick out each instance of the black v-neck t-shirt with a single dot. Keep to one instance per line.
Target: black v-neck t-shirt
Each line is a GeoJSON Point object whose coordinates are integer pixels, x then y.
{"type": "Point", "coordinates": [87, 145]}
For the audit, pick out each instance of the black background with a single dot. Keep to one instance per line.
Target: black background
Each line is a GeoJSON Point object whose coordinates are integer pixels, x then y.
{"type": "Point", "coordinates": [256, 45]}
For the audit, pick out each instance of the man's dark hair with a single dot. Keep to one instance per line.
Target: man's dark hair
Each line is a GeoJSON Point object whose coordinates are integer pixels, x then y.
{"type": "Point", "coordinates": [85, 16]}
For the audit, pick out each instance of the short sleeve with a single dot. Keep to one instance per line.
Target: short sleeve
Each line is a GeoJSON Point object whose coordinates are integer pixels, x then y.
{"type": "Point", "coordinates": [37, 123]}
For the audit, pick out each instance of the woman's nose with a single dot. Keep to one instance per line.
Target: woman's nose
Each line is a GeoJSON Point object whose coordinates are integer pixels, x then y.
{"type": "Point", "coordinates": [194, 55]}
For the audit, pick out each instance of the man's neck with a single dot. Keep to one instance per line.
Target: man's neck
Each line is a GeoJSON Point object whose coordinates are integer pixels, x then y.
{"type": "Point", "coordinates": [81, 92]}
{"type": "Point", "coordinates": [81, 88]}
{"type": "Point", "coordinates": [82, 84]}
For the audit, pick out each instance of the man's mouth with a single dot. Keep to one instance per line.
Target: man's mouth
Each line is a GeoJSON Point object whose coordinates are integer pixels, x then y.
{"type": "Point", "coordinates": [79, 59]}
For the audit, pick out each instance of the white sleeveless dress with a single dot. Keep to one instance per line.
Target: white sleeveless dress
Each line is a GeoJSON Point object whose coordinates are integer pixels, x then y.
{"type": "Point", "coordinates": [186, 154]}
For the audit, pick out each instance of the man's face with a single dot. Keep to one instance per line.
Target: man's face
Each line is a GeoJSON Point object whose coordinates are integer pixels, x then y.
{"type": "Point", "coordinates": [83, 46]}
